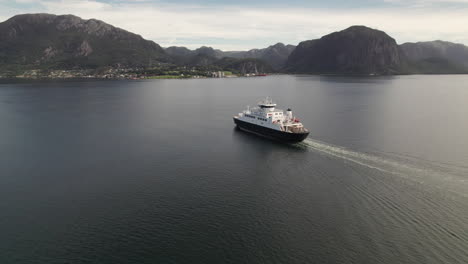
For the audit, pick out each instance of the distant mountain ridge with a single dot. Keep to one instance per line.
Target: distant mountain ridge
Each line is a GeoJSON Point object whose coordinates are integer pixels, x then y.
{"type": "Point", "coordinates": [202, 56]}
{"type": "Point", "coordinates": [435, 57]}
{"type": "Point", "coordinates": [45, 41]}
{"type": "Point", "coordinates": [438, 48]}
{"type": "Point", "coordinates": [209, 57]}
{"type": "Point", "coordinates": [275, 55]}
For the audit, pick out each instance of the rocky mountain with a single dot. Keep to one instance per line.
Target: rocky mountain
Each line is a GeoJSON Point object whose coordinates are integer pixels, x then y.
{"type": "Point", "coordinates": [355, 50]}
{"type": "Point", "coordinates": [67, 41]}
{"type": "Point", "coordinates": [435, 57]}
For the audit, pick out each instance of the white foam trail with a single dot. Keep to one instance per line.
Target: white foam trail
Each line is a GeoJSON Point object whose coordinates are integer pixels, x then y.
{"type": "Point", "coordinates": [421, 173]}
{"type": "Point", "coordinates": [364, 159]}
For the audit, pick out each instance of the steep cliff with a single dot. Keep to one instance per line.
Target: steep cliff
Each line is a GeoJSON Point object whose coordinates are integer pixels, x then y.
{"type": "Point", "coordinates": [355, 50]}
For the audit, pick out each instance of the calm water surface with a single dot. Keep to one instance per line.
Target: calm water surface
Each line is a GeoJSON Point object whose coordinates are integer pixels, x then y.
{"type": "Point", "coordinates": [154, 172]}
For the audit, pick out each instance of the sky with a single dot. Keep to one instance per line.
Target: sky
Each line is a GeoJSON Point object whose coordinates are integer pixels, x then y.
{"type": "Point", "coordinates": [247, 24]}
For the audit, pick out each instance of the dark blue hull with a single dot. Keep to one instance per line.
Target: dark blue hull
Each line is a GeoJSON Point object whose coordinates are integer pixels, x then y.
{"type": "Point", "coordinates": [271, 133]}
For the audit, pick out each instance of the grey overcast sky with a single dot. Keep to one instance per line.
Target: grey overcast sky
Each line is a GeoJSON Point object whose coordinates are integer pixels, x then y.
{"type": "Point", "coordinates": [242, 25]}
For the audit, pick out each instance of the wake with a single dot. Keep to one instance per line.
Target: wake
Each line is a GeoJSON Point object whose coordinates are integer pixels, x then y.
{"type": "Point", "coordinates": [445, 176]}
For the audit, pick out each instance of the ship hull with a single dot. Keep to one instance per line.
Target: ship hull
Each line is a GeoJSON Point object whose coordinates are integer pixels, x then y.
{"type": "Point", "coordinates": [270, 133]}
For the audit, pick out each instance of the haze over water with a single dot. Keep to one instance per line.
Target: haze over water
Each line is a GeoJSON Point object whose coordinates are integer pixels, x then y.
{"type": "Point", "coordinates": [154, 172]}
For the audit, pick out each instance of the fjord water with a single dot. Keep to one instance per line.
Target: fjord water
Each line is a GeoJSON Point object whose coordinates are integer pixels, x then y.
{"type": "Point", "coordinates": [155, 172]}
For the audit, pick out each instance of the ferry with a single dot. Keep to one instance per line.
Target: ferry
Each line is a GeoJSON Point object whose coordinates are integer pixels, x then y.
{"type": "Point", "coordinates": [267, 121]}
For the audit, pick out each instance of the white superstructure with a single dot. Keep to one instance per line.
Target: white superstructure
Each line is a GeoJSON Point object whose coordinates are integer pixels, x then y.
{"type": "Point", "coordinates": [266, 115]}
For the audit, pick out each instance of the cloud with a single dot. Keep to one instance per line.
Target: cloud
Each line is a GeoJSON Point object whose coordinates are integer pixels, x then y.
{"type": "Point", "coordinates": [240, 28]}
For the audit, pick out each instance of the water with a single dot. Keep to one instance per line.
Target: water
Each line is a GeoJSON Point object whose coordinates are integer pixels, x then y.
{"type": "Point", "coordinates": [154, 172]}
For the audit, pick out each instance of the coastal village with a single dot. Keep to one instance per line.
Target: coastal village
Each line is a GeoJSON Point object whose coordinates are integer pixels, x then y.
{"type": "Point", "coordinates": [126, 73]}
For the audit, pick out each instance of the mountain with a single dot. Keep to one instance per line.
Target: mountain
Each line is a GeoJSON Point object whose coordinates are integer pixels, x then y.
{"type": "Point", "coordinates": [355, 50]}
{"type": "Point", "coordinates": [66, 41]}
{"type": "Point", "coordinates": [202, 56]}
{"type": "Point", "coordinates": [275, 55]}
{"type": "Point", "coordinates": [178, 51]}
{"type": "Point", "coordinates": [243, 66]}
{"type": "Point", "coordinates": [47, 42]}
{"type": "Point", "coordinates": [214, 60]}
{"type": "Point", "coordinates": [209, 51]}
{"type": "Point", "coordinates": [435, 57]}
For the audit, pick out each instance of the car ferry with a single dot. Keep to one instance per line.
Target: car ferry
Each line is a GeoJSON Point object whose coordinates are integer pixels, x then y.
{"type": "Point", "coordinates": [267, 121]}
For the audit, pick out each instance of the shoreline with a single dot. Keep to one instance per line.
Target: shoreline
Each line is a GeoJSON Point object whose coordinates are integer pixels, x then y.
{"type": "Point", "coordinates": [2, 80]}
{"type": "Point", "coordinates": [169, 77]}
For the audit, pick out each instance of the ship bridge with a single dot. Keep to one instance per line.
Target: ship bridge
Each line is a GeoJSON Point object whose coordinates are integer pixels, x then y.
{"type": "Point", "coordinates": [267, 105]}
